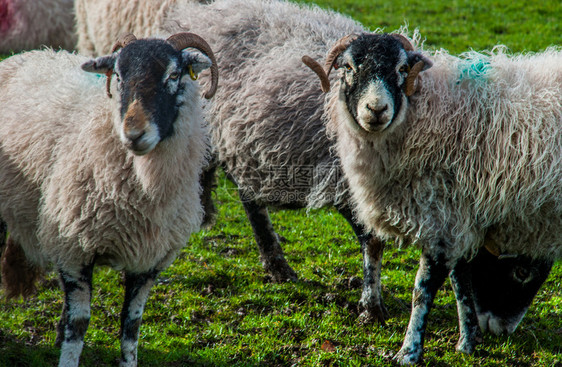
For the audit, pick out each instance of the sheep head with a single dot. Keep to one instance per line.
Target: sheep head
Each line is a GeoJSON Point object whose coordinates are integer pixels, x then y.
{"type": "Point", "coordinates": [379, 74]}
{"type": "Point", "coordinates": [154, 78]}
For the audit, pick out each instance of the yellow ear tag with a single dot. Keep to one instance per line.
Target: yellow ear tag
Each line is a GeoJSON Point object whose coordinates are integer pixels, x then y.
{"type": "Point", "coordinates": [191, 73]}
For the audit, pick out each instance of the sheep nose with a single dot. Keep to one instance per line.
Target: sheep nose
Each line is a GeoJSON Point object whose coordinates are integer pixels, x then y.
{"type": "Point", "coordinates": [377, 111]}
{"type": "Point", "coordinates": [135, 136]}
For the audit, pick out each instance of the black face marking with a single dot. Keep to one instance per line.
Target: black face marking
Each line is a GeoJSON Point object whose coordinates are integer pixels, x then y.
{"type": "Point", "coordinates": [376, 57]}
{"type": "Point", "coordinates": [142, 66]}
{"type": "Point", "coordinates": [506, 287]}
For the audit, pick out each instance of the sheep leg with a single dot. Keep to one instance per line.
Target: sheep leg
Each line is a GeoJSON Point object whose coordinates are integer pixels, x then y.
{"type": "Point", "coordinates": [468, 321]}
{"type": "Point", "coordinates": [271, 253]}
{"type": "Point", "coordinates": [371, 304]}
{"type": "Point", "coordinates": [77, 287]}
{"type": "Point", "coordinates": [430, 276]}
{"type": "Point", "coordinates": [208, 185]}
{"type": "Point", "coordinates": [18, 274]}
{"type": "Point", "coordinates": [137, 289]}
{"type": "Point", "coordinates": [3, 234]}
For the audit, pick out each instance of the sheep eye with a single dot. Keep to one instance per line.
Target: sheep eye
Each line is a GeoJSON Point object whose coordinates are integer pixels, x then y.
{"type": "Point", "coordinates": [521, 274]}
{"type": "Point", "coordinates": [405, 69]}
{"type": "Point", "coordinates": [348, 67]}
{"type": "Point", "coordinates": [174, 76]}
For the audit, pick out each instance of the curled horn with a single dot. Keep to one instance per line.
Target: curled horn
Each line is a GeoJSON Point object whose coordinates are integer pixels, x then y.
{"type": "Point", "coordinates": [317, 68]}
{"type": "Point", "coordinates": [184, 40]}
{"type": "Point", "coordinates": [121, 42]}
{"type": "Point", "coordinates": [410, 82]}
{"type": "Point", "coordinates": [404, 41]}
{"type": "Point", "coordinates": [340, 46]}
{"type": "Point", "coordinates": [323, 72]}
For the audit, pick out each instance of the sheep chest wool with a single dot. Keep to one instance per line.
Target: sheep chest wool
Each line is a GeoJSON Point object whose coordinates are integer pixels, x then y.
{"type": "Point", "coordinates": [89, 179]}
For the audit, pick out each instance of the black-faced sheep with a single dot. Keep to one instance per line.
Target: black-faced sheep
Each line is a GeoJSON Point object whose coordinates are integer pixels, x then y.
{"type": "Point", "coordinates": [88, 179]}
{"type": "Point", "coordinates": [266, 120]}
{"type": "Point", "coordinates": [466, 154]}
{"type": "Point", "coordinates": [29, 24]}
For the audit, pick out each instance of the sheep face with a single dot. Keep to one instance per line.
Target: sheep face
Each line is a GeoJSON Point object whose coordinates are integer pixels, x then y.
{"type": "Point", "coordinates": [504, 287]}
{"type": "Point", "coordinates": [152, 77]}
{"type": "Point", "coordinates": [374, 80]}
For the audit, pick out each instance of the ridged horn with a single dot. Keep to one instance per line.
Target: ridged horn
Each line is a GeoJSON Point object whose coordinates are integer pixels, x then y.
{"type": "Point", "coordinates": [317, 68]}
{"type": "Point", "coordinates": [324, 72]}
{"type": "Point", "coordinates": [410, 82]}
{"type": "Point", "coordinates": [340, 46]}
{"type": "Point", "coordinates": [121, 42]}
{"type": "Point", "coordinates": [404, 41]}
{"type": "Point", "coordinates": [184, 40]}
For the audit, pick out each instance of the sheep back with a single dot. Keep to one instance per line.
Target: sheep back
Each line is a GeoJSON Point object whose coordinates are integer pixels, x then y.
{"type": "Point", "coordinates": [266, 119]}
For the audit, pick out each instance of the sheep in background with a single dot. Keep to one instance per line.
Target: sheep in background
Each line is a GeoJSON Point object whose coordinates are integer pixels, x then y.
{"type": "Point", "coordinates": [467, 154]}
{"type": "Point", "coordinates": [29, 24]}
{"type": "Point", "coordinates": [88, 179]}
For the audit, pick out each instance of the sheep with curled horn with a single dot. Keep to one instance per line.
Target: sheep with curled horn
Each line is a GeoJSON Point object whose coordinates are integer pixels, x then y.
{"type": "Point", "coordinates": [260, 138]}
{"type": "Point", "coordinates": [453, 154]}
{"type": "Point", "coordinates": [268, 127]}
{"type": "Point", "coordinates": [88, 179]}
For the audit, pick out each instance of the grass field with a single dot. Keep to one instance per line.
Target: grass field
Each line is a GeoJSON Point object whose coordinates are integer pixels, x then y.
{"type": "Point", "coordinates": [215, 306]}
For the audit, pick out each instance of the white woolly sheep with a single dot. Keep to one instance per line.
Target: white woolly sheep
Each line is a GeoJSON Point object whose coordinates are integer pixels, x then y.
{"type": "Point", "coordinates": [469, 153]}
{"type": "Point", "coordinates": [88, 179]}
{"type": "Point", "coordinates": [266, 122]}
{"type": "Point", "coordinates": [29, 24]}
{"type": "Point", "coordinates": [278, 155]}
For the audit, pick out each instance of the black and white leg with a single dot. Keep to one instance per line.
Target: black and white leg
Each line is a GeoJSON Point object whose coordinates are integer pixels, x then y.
{"type": "Point", "coordinates": [468, 321]}
{"type": "Point", "coordinates": [77, 287]}
{"type": "Point", "coordinates": [371, 304]}
{"type": "Point", "coordinates": [430, 276]}
{"type": "Point", "coordinates": [271, 253]}
{"type": "Point", "coordinates": [137, 289]}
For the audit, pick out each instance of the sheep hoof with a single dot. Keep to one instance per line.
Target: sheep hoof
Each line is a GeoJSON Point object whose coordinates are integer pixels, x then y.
{"type": "Point", "coordinates": [375, 313]}
{"type": "Point", "coordinates": [407, 357]}
{"type": "Point", "coordinates": [372, 309]}
{"type": "Point", "coordinates": [279, 270]}
{"type": "Point", "coordinates": [466, 345]}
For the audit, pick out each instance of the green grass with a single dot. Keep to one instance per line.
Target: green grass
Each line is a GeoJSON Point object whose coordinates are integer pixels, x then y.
{"type": "Point", "coordinates": [215, 306]}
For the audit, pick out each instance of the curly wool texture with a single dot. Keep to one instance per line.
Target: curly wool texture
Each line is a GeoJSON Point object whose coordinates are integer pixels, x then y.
{"type": "Point", "coordinates": [100, 22]}
{"type": "Point", "coordinates": [70, 190]}
{"type": "Point", "coordinates": [480, 150]}
{"type": "Point", "coordinates": [266, 118]}
{"type": "Point", "coordinates": [29, 24]}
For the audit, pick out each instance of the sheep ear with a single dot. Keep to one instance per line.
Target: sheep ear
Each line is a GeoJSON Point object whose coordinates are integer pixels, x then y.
{"type": "Point", "coordinates": [100, 65]}
{"type": "Point", "coordinates": [197, 60]}
{"type": "Point", "coordinates": [414, 57]}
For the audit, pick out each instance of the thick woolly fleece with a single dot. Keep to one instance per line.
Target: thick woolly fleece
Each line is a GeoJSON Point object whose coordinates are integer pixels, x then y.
{"type": "Point", "coordinates": [480, 151]}
{"type": "Point", "coordinates": [30, 24]}
{"type": "Point", "coordinates": [277, 152]}
{"type": "Point", "coordinates": [70, 190]}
